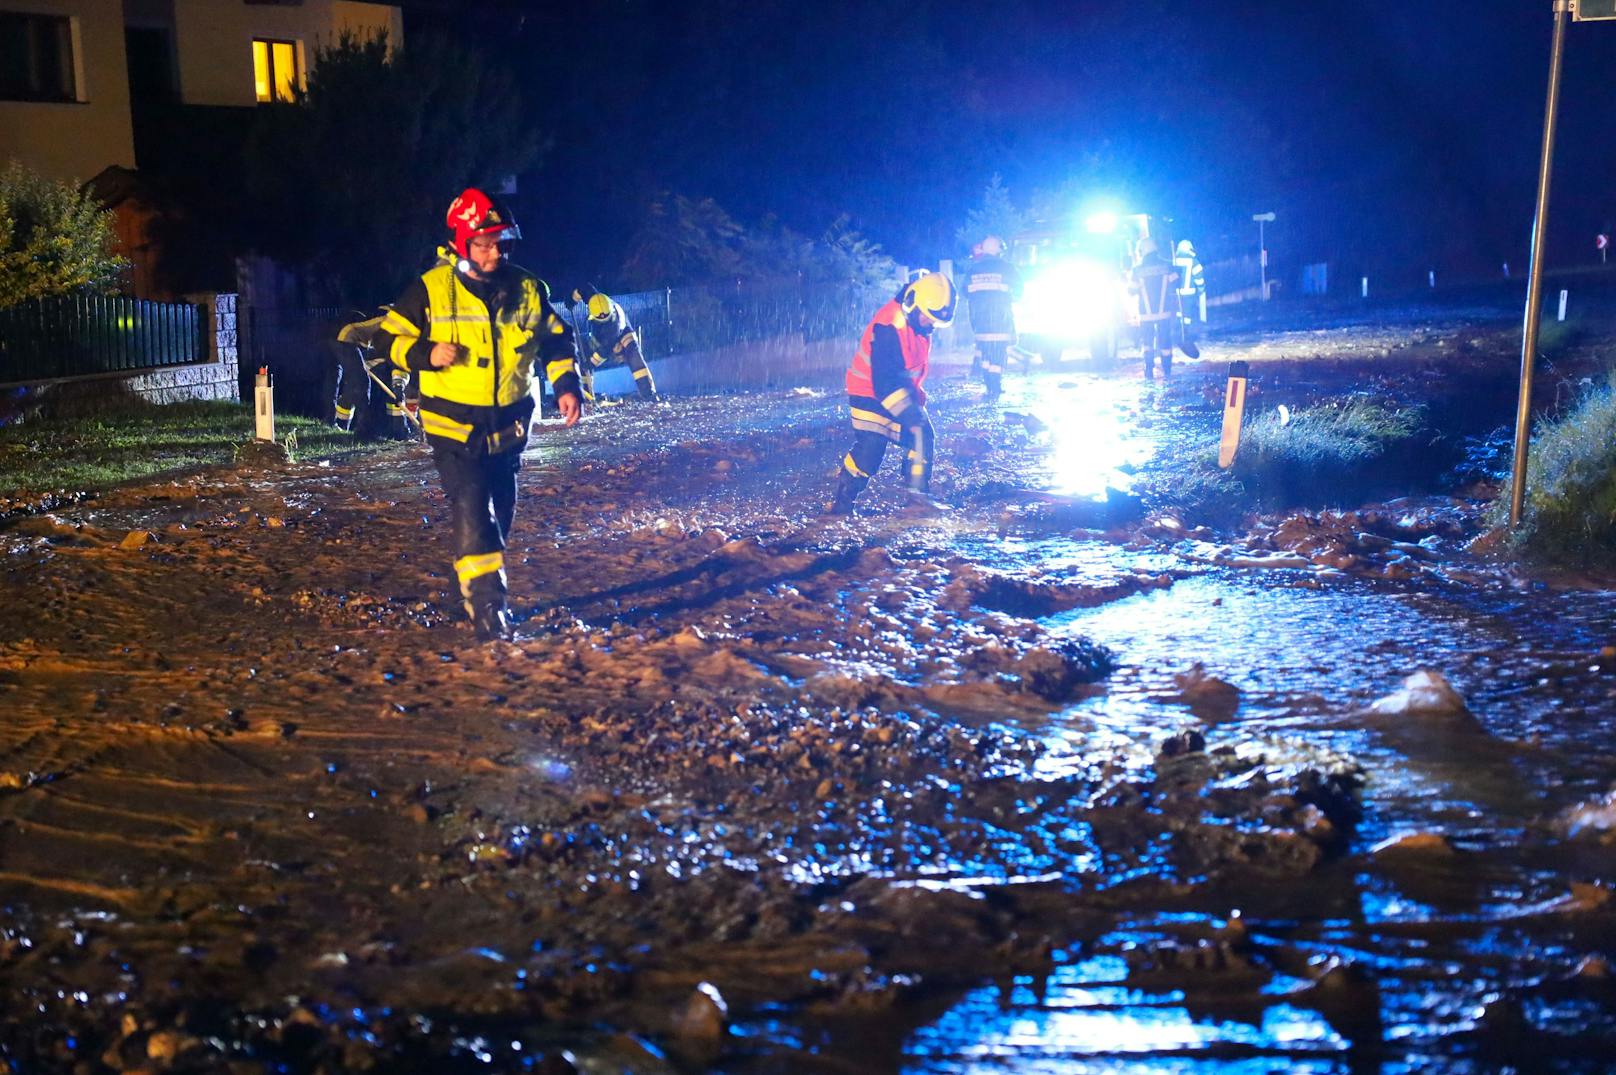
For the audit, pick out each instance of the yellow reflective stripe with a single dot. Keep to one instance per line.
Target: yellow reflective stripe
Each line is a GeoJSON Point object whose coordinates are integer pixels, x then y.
{"type": "Point", "coordinates": [398, 354]}
{"type": "Point", "coordinates": [642, 373]}
{"type": "Point", "coordinates": [852, 467]}
{"type": "Point", "coordinates": [344, 412]}
{"type": "Point", "coordinates": [350, 333]}
{"type": "Point", "coordinates": [860, 414]}
{"type": "Point", "coordinates": [475, 567]}
{"type": "Point", "coordinates": [992, 337]}
{"type": "Point", "coordinates": [394, 409]}
{"type": "Point", "coordinates": [398, 325]}
{"type": "Point", "coordinates": [897, 401]}
{"type": "Point", "coordinates": [987, 287]}
{"type": "Point", "coordinates": [439, 426]}
{"type": "Point", "coordinates": [893, 435]}
{"type": "Point", "coordinates": [626, 339]}
{"type": "Point", "coordinates": [988, 367]}
{"type": "Point", "coordinates": [558, 368]}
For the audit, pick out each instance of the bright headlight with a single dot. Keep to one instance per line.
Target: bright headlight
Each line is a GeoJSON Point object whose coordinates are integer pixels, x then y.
{"type": "Point", "coordinates": [1069, 300]}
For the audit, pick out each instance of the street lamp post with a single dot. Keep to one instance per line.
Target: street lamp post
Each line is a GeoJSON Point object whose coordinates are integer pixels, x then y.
{"type": "Point", "coordinates": [1263, 219]}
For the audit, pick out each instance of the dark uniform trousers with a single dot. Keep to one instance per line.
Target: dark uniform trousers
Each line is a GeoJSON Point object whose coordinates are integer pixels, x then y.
{"type": "Point", "coordinates": [482, 497]}
{"type": "Point", "coordinates": [873, 429]}
{"type": "Point", "coordinates": [360, 404]}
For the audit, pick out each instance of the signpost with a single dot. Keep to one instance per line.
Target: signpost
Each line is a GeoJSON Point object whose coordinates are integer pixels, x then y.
{"type": "Point", "coordinates": [1262, 247]}
{"type": "Point", "coordinates": [1534, 278]}
{"type": "Point", "coordinates": [1593, 10]}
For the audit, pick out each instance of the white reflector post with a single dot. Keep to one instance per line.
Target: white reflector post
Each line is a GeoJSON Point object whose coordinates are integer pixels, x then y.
{"type": "Point", "coordinates": [1564, 294]}
{"type": "Point", "coordinates": [263, 406]}
{"type": "Point", "coordinates": [1234, 409]}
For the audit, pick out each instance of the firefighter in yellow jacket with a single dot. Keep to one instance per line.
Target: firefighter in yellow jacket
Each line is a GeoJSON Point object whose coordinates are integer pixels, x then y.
{"type": "Point", "coordinates": [473, 326]}
{"type": "Point", "coordinates": [886, 393]}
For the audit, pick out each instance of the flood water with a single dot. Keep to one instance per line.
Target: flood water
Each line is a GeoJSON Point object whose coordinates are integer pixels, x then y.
{"type": "Point", "coordinates": [265, 805]}
{"type": "Point", "coordinates": [1470, 969]}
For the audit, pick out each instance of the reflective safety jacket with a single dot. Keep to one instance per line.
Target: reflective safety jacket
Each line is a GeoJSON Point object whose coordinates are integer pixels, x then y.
{"type": "Point", "coordinates": [991, 285]}
{"type": "Point", "coordinates": [891, 361]}
{"type": "Point", "coordinates": [608, 339]}
{"type": "Point", "coordinates": [506, 323]}
{"type": "Point", "coordinates": [1154, 284]}
{"type": "Point", "coordinates": [1191, 276]}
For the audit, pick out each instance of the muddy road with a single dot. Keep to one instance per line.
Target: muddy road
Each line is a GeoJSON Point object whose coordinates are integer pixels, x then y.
{"type": "Point", "coordinates": [1068, 778]}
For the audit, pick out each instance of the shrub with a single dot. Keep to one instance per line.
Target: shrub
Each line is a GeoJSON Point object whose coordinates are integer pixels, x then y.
{"type": "Point", "coordinates": [1331, 453]}
{"type": "Point", "coordinates": [54, 238]}
{"type": "Point", "coordinates": [1570, 510]}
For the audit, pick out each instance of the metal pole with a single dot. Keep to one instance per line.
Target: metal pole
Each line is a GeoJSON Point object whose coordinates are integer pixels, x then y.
{"type": "Point", "coordinates": [1262, 259]}
{"type": "Point", "coordinates": [1534, 282]}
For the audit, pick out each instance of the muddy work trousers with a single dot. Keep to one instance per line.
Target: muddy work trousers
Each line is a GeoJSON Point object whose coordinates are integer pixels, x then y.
{"type": "Point", "coordinates": [629, 353]}
{"type": "Point", "coordinates": [482, 499]}
{"type": "Point", "coordinates": [991, 352]}
{"type": "Point", "coordinates": [873, 429]}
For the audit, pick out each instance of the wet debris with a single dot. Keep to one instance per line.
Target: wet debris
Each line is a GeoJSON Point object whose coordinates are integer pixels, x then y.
{"type": "Point", "coordinates": [1421, 844]}
{"type": "Point", "coordinates": [1592, 820]}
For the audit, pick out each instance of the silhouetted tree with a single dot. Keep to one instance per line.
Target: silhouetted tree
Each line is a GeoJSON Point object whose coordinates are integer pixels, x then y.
{"type": "Point", "coordinates": [353, 177]}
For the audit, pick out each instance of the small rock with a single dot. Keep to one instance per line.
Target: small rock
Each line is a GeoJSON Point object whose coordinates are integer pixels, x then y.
{"type": "Point", "coordinates": [1426, 691]}
{"type": "Point", "coordinates": [1188, 741]}
{"type": "Point", "coordinates": [135, 539]}
{"type": "Point", "coordinates": [699, 1025]}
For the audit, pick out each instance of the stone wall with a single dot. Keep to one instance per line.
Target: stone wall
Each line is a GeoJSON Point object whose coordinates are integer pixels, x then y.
{"type": "Point", "coordinates": [218, 378]}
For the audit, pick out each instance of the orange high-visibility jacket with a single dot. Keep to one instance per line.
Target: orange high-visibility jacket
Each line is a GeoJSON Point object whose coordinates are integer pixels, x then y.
{"type": "Point", "coordinates": [892, 357]}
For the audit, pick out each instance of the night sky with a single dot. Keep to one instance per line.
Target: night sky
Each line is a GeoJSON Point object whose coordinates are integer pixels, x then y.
{"type": "Point", "coordinates": [1390, 138]}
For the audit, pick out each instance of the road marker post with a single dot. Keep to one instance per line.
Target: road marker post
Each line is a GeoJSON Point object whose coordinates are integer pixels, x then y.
{"type": "Point", "coordinates": [264, 406]}
{"type": "Point", "coordinates": [1234, 409]}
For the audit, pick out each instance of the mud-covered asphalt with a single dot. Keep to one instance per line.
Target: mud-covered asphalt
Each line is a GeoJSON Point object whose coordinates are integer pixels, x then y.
{"type": "Point", "coordinates": [758, 791]}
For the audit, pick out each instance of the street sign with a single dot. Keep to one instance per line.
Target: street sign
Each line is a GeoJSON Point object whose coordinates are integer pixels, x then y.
{"type": "Point", "coordinates": [1593, 10]}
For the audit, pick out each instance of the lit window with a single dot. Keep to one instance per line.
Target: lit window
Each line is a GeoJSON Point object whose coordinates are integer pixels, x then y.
{"type": "Point", "coordinates": [36, 58]}
{"type": "Point", "coordinates": [274, 70]}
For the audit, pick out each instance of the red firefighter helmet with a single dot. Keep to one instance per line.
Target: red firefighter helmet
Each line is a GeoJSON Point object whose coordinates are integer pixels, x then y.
{"type": "Point", "coordinates": [475, 213]}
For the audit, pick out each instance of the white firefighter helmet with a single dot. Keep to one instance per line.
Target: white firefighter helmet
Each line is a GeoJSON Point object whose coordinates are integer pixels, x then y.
{"type": "Point", "coordinates": [1147, 247]}
{"type": "Point", "coordinates": [1185, 248]}
{"type": "Point", "coordinates": [993, 246]}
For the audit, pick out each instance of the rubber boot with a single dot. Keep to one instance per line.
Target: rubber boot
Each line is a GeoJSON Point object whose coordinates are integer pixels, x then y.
{"type": "Point", "coordinates": [1150, 365]}
{"type": "Point", "coordinates": [1167, 365]}
{"type": "Point", "coordinates": [847, 490]}
{"type": "Point", "coordinates": [492, 622]}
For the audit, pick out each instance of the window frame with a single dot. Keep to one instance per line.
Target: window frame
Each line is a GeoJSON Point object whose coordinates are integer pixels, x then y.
{"type": "Point", "coordinates": [273, 82]}
{"type": "Point", "coordinates": [64, 31]}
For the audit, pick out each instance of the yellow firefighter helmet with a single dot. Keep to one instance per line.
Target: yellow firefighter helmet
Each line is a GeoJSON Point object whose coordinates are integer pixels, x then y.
{"type": "Point", "coordinates": [600, 307]}
{"type": "Point", "coordinates": [933, 295]}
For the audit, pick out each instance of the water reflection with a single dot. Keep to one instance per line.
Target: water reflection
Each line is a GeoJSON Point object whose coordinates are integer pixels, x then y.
{"type": "Point", "coordinates": [1085, 1018]}
{"type": "Point", "coordinates": [1091, 426]}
